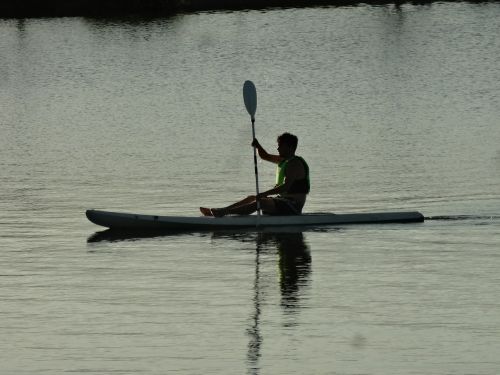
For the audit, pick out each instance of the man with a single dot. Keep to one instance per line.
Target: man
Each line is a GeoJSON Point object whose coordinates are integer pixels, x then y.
{"type": "Point", "coordinates": [292, 184]}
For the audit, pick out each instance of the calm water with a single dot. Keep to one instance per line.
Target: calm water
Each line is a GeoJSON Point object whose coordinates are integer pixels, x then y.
{"type": "Point", "coordinates": [395, 109]}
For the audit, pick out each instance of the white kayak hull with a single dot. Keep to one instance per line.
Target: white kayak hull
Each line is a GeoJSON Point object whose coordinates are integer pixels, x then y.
{"type": "Point", "coordinates": [129, 221]}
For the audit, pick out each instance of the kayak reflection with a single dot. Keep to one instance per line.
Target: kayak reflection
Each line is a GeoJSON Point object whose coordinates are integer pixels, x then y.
{"type": "Point", "coordinates": [110, 235]}
{"type": "Point", "coordinates": [294, 258]}
{"type": "Point", "coordinates": [294, 264]}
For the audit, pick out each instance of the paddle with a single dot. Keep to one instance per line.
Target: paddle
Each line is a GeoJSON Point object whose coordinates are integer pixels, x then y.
{"type": "Point", "coordinates": [250, 99]}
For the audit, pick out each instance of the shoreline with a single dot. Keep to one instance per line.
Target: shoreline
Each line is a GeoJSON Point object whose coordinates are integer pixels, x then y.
{"type": "Point", "coordinates": [160, 8]}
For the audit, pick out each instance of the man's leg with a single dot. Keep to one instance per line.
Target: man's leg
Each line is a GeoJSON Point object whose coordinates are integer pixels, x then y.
{"type": "Point", "coordinates": [248, 200]}
{"type": "Point", "coordinates": [266, 204]}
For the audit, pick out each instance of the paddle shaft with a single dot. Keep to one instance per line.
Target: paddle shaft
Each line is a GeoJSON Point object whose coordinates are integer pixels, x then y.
{"type": "Point", "coordinates": [255, 167]}
{"type": "Point", "coordinates": [250, 99]}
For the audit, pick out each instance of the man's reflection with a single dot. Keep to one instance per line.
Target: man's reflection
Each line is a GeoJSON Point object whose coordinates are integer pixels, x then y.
{"type": "Point", "coordinates": [294, 266]}
{"type": "Point", "coordinates": [294, 260]}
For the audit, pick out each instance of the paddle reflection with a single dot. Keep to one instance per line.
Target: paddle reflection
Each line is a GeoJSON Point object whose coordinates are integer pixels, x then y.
{"type": "Point", "coordinates": [294, 260]}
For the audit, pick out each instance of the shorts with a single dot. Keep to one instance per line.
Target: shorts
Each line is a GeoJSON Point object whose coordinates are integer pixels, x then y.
{"type": "Point", "coordinates": [284, 207]}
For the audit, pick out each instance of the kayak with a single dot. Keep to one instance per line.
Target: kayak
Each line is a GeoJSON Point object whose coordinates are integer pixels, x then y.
{"type": "Point", "coordinates": [130, 221]}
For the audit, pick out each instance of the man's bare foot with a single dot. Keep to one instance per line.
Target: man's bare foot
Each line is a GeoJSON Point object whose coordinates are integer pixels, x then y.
{"type": "Point", "coordinates": [218, 212]}
{"type": "Point", "coordinates": [206, 211]}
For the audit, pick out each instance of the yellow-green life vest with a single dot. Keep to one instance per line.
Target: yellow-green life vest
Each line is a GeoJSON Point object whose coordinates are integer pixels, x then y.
{"type": "Point", "coordinates": [303, 185]}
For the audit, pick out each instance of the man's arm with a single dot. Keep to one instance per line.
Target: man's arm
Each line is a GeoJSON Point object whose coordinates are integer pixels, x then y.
{"type": "Point", "coordinates": [264, 155]}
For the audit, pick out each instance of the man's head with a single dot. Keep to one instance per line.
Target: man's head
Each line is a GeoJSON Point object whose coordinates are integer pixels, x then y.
{"type": "Point", "coordinates": [287, 144]}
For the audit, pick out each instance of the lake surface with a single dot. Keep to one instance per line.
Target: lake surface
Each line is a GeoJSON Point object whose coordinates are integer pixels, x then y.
{"type": "Point", "coordinates": [395, 109]}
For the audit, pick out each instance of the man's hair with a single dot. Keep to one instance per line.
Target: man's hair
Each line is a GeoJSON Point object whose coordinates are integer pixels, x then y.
{"type": "Point", "coordinates": [289, 139]}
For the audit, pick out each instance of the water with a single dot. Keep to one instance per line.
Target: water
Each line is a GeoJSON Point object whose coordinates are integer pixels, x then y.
{"type": "Point", "coordinates": [395, 109]}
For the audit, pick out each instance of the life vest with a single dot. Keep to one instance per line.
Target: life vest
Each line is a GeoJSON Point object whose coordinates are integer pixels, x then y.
{"type": "Point", "coordinates": [302, 186]}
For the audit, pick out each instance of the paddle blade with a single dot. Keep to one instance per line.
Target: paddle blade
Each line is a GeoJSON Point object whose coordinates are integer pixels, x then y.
{"type": "Point", "coordinates": [250, 98]}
